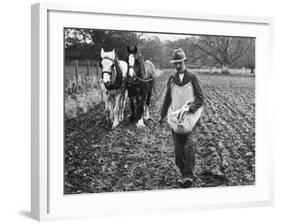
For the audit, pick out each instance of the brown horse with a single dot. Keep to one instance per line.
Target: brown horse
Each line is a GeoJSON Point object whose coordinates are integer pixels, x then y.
{"type": "Point", "coordinates": [140, 82]}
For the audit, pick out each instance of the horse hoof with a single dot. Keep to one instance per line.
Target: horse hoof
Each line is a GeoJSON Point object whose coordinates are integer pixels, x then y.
{"type": "Point", "coordinates": [140, 124]}
{"type": "Point", "coordinates": [146, 117]}
{"type": "Point", "coordinates": [115, 124]}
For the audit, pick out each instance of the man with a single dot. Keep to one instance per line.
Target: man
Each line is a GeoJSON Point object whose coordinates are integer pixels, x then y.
{"type": "Point", "coordinates": [185, 145]}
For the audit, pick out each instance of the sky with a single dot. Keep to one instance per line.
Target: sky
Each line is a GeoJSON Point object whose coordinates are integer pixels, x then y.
{"type": "Point", "coordinates": [164, 37]}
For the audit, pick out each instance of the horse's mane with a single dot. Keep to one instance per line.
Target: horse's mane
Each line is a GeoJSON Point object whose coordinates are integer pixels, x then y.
{"type": "Point", "coordinates": [117, 66]}
{"type": "Point", "coordinates": [142, 66]}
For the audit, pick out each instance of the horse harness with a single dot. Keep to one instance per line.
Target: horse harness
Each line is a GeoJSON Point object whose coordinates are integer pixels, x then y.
{"type": "Point", "coordinates": [143, 80]}
{"type": "Point", "coordinates": [135, 76]}
{"type": "Point", "coordinates": [108, 58]}
{"type": "Point", "coordinates": [116, 86]}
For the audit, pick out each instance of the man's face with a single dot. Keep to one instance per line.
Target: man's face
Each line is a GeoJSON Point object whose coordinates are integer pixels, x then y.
{"type": "Point", "coordinates": [180, 66]}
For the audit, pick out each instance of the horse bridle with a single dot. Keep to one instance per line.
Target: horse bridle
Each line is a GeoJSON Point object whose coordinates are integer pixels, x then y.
{"type": "Point", "coordinates": [110, 73]}
{"type": "Point", "coordinates": [132, 66]}
{"type": "Point", "coordinates": [134, 74]}
{"type": "Point", "coordinates": [123, 87]}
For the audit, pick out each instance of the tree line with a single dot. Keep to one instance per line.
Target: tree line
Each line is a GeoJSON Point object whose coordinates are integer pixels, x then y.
{"type": "Point", "coordinates": [201, 51]}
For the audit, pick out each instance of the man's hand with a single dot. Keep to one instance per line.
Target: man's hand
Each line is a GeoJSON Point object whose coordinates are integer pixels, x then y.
{"type": "Point", "coordinates": [187, 108]}
{"type": "Point", "coordinates": [180, 116]}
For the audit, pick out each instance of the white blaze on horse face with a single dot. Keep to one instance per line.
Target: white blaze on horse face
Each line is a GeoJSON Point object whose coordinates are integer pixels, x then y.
{"type": "Point", "coordinates": [106, 64]}
{"type": "Point", "coordinates": [131, 64]}
{"type": "Point", "coordinates": [106, 69]}
{"type": "Point", "coordinates": [102, 53]}
{"type": "Point", "coordinates": [106, 78]}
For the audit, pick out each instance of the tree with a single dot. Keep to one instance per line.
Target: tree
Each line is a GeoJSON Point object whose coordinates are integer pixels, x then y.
{"type": "Point", "coordinates": [248, 58]}
{"type": "Point", "coordinates": [86, 43]}
{"type": "Point", "coordinates": [200, 50]}
{"type": "Point", "coordinates": [223, 50]}
{"type": "Point", "coordinates": [151, 49]}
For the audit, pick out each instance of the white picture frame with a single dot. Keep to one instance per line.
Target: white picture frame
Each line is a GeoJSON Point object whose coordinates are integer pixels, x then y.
{"type": "Point", "coordinates": [47, 200]}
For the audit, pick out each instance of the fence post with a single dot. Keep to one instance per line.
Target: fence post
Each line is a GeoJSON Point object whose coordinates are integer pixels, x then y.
{"type": "Point", "coordinates": [76, 75]}
{"type": "Point", "coordinates": [88, 67]}
{"type": "Point", "coordinates": [97, 71]}
{"type": "Point", "coordinates": [87, 76]}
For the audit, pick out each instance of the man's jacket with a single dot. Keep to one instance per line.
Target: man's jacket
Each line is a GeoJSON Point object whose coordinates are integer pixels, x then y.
{"type": "Point", "coordinates": [175, 80]}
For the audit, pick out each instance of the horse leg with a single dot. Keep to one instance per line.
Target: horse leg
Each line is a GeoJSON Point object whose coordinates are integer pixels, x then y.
{"type": "Point", "coordinates": [140, 104]}
{"type": "Point", "coordinates": [110, 106]}
{"type": "Point", "coordinates": [122, 106]}
{"type": "Point", "coordinates": [146, 106]}
{"type": "Point", "coordinates": [119, 115]}
{"type": "Point", "coordinates": [106, 100]}
{"type": "Point", "coordinates": [132, 105]}
{"type": "Point", "coordinates": [116, 111]}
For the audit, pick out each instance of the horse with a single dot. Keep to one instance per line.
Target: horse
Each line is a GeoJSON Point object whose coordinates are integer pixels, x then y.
{"type": "Point", "coordinates": [140, 83]}
{"type": "Point", "coordinates": [113, 85]}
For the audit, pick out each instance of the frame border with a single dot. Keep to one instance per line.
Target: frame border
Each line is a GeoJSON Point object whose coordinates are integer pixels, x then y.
{"type": "Point", "coordinates": [40, 85]}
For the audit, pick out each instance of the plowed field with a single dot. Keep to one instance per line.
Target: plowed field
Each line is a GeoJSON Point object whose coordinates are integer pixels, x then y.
{"type": "Point", "coordinates": [99, 159]}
